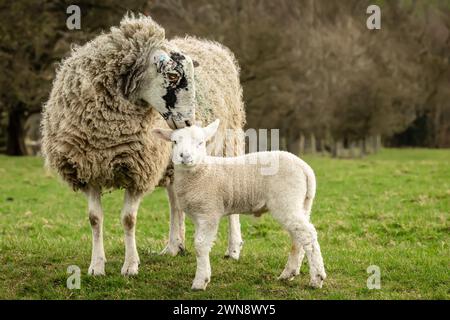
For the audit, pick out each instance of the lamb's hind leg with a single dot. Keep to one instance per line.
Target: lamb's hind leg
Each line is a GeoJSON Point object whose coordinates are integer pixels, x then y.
{"type": "Point", "coordinates": [295, 258]}
{"type": "Point", "coordinates": [128, 218]}
{"type": "Point", "coordinates": [234, 237]}
{"type": "Point", "coordinates": [177, 231]}
{"type": "Point", "coordinates": [294, 262]}
{"type": "Point", "coordinates": [97, 266]}
{"type": "Point", "coordinates": [304, 236]}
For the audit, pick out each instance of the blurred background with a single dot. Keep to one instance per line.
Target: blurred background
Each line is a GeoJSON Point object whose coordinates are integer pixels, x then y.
{"type": "Point", "coordinates": [310, 68]}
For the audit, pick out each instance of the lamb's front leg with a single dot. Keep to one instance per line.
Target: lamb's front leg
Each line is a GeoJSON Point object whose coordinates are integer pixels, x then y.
{"type": "Point", "coordinates": [177, 230]}
{"type": "Point", "coordinates": [234, 237]}
{"type": "Point", "coordinates": [128, 218]}
{"type": "Point", "coordinates": [205, 233]}
{"type": "Point", "coordinates": [97, 266]}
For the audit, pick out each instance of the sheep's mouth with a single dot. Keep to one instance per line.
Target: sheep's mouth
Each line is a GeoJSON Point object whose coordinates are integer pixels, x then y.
{"type": "Point", "coordinates": [178, 124]}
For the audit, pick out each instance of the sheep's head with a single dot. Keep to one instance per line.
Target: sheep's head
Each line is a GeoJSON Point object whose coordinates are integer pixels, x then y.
{"type": "Point", "coordinates": [167, 84]}
{"type": "Point", "coordinates": [153, 72]}
{"type": "Point", "coordinates": [189, 143]}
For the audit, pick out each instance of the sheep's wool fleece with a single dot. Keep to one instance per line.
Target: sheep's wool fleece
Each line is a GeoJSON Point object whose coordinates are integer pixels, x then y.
{"type": "Point", "coordinates": [94, 136]}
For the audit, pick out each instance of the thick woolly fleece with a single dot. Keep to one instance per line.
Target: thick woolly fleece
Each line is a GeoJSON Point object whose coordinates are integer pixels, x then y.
{"type": "Point", "coordinates": [276, 181]}
{"type": "Point", "coordinates": [96, 133]}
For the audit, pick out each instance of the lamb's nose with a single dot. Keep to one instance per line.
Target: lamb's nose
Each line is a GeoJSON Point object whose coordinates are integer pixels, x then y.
{"type": "Point", "coordinates": [185, 157]}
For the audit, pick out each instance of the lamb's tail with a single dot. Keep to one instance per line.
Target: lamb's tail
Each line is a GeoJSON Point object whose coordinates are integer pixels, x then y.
{"type": "Point", "coordinates": [310, 188]}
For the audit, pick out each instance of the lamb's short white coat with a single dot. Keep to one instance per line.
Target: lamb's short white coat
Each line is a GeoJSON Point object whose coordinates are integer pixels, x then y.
{"type": "Point", "coordinates": [209, 188]}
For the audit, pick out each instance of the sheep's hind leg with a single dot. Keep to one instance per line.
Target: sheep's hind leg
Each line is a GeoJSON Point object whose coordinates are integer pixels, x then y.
{"type": "Point", "coordinates": [205, 233]}
{"type": "Point", "coordinates": [235, 241]}
{"type": "Point", "coordinates": [177, 230]}
{"type": "Point", "coordinates": [97, 266]}
{"type": "Point", "coordinates": [128, 218]}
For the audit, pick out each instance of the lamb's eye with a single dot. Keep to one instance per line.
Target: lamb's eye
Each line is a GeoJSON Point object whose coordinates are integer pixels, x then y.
{"type": "Point", "coordinates": [200, 144]}
{"type": "Point", "coordinates": [173, 77]}
{"type": "Point", "coordinates": [174, 142]}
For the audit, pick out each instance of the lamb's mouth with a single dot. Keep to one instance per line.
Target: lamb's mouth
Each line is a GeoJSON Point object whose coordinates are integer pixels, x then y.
{"type": "Point", "coordinates": [187, 164]}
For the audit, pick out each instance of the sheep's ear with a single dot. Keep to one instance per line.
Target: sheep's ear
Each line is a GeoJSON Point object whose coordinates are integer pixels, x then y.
{"type": "Point", "coordinates": [211, 129]}
{"type": "Point", "coordinates": [164, 134]}
{"type": "Point", "coordinates": [134, 77]}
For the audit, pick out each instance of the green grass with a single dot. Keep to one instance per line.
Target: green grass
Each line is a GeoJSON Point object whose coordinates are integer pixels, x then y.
{"type": "Point", "coordinates": [389, 210]}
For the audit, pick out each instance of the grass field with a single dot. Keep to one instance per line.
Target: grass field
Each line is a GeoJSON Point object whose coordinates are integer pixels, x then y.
{"type": "Point", "coordinates": [389, 210]}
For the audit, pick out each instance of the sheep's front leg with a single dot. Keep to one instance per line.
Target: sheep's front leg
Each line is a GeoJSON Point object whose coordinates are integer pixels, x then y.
{"type": "Point", "coordinates": [205, 233]}
{"type": "Point", "coordinates": [97, 266]}
{"type": "Point", "coordinates": [234, 237]}
{"type": "Point", "coordinates": [177, 230]}
{"type": "Point", "coordinates": [128, 218]}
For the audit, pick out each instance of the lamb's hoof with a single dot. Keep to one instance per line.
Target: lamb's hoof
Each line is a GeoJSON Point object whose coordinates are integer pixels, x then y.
{"type": "Point", "coordinates": [97, 268]}
{"type": "Point", "coordinates": [173, 249]}
{"type": "Point", "coordinates": [288, 275]}
{"type": "Point", "coordinates": [234, 251]}
{"type": "Point", "coordinates": [200, 285]}
{"type": "Point", "coordinates": [130, 268]}
{"type": "Point", "coordinates": [317, 281]}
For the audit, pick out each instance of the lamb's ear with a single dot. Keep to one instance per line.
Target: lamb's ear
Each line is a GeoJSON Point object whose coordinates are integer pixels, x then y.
{"type": "Point", "coordinates": [211, 129]}
{"type": "Point", "coordinates": [164, 134]}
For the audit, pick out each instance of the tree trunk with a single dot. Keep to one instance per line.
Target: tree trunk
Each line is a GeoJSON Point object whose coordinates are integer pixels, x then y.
{"type": "Point", "coordinates": [337, 148]}
{"type": "Point", "coordinates": [301, 144]}
{"type": "Point", "coordinates": [313, 145]}
{"type": "Point", "coordinates": [353, 150]}
{"type": "Point", "coordinates": [14, 134]}
{"type": "Point", "coordinates": [283, 144]}
{"type": "Point", "coordinates": [361, 147]}
{"type": "Point", "coordinates": [376, 143]}
{"type": "Point", "coordinates": [366, 148]}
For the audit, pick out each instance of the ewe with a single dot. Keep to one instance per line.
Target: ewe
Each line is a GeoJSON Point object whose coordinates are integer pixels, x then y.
{"type": "Point", "coordinates": [104, 102]}
{"type": "Point", "coordinates": [209, 188]}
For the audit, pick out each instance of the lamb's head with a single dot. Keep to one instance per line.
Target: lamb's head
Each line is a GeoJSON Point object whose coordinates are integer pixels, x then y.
{"type": "Point", "coordinates": [189, 143]}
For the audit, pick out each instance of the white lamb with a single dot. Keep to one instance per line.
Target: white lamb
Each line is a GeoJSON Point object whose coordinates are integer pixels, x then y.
{"type": "Point", "coordinates": [209, 188]}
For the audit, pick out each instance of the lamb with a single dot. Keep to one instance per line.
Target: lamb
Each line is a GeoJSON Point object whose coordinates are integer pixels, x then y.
{"type": "Point", "coordinates": [109, 94]}
{"type": "Point", "coordinates": [238, 184]}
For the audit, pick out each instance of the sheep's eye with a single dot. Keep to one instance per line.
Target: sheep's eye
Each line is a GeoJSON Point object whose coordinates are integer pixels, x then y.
{"type": "Point", "coordinates": [200, 144]}
{"type": "Point", "coordinates": [174, 142]}
{"type": "Point", "coordinates": [172, 77]}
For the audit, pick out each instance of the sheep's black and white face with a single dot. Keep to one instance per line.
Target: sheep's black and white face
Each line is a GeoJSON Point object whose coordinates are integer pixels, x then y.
{"type": "Point", "coordinates": [169, 87]}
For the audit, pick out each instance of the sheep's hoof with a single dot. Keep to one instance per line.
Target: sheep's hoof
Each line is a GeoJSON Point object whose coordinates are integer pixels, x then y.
{"type": "Point", "coordinates": [173, 249]}
{"type": "Point", "coordinates": [200, 285]}
{"type": "Point", "coordinates": [130, 268]}
{"type": "Point", "coordinates": [97, 268]}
